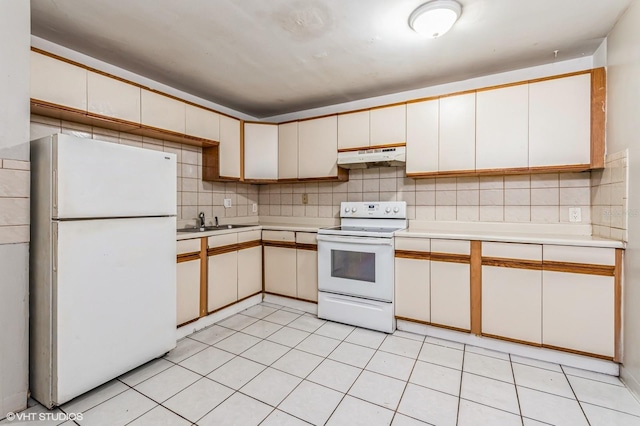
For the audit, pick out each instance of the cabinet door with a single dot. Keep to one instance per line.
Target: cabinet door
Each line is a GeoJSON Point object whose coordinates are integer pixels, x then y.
{"type": "Point", "coordinates": [113, 98]}
{"type": "Point", "coordinates": [560, 121]}
{"type": "Point", "coordinates": [223, 280]}
{"type": "Point", "coordinates": [249, 272]}
{"type": "Point", "coordinates": [229, 149]}
{"type": "Point", "coordinates": [162, 112]}
{"type": "Point", "coordinates": [502, 128]}
{"type": "Point", "coordinates": [423, 124]}
{"type": "Point", "coordinates": [202, 123]}
{"type": "Point", "coordinates": [450, 286]}
{"type": "Point", "coordinates": [511, 296]}
{"type": "Point", "coordinates": [388, 125]}
{"type": "Point", "coordinates": [353, 130]}
{"type": "Point", "coordinates": [260, 151]}
{"type": "Point", "coordinates": [318, 147]}
{"type": "Point", "coordinates": [188, 291]}
{"type": "Point", "coordinates": [58, 82]}
{"type": "Point", "coordinates": [307, 274]}
{"type": "Point", "coordinates": [280, 271]}
{"type": "Point", "coordinates": [457, 143]}
{"type": "Point", "coordinates": [288, 151]}
{"type": "Point", "coordinates": [412, 281]}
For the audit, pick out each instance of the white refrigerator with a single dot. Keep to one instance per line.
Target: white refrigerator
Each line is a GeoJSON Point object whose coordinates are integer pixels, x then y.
{"type": "Point", "coordinates": [103, 263]}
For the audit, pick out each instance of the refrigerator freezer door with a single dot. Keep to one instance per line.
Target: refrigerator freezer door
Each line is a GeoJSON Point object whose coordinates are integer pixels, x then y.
{"type": "Point", "coordinates": [96, 179]}
{"type": "Point", "coordinates": [114, 299]}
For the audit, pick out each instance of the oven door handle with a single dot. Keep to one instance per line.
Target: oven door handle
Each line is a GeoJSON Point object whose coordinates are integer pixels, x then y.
{"type": "Point", "coordinates": [351, 240]}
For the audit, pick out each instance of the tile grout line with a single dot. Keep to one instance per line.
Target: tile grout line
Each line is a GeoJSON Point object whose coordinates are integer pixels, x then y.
{"type": "Point", "coordinates": [576, 396]}
{"type": "Point", "coordinates": [406, 384]}
{"type": "Point", "coordinates": [515, 386]}
{"type": "Point", "coordinates": [464, 355]}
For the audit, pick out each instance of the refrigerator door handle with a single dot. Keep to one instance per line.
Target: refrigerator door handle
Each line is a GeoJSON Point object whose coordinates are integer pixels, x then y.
{"type": "Point", "coordinates": [55, 189]}
{"type": "Point", "coordinates": [54, 247]}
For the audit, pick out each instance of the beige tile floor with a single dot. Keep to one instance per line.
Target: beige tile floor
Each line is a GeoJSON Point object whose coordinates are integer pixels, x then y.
{"type": "Point", "coordinates": [272, 365]}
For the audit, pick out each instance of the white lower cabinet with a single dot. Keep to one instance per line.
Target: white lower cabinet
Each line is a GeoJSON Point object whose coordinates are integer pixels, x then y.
{"type": "Point", "coordinates": [188, 291]}
{"type": "Point", "coordinates": [249, 266]}
{"type": "Point", "coordinates": [307, 266]}
{"type": "Point", "coordinates": [280, 263]}
{"type": "Point", "coordinates": [412, 281]}
{"type": "Point", "coordinates": [222, 282]}
{"type": "Point", "coordinates": [451, 285]}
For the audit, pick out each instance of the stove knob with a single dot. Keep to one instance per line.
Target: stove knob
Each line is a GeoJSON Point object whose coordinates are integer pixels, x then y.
{"type": "Point", "coordinates": [396, 210]}
{"type": "Point", "coordinates": [354, 209]}
{"type": "Point", "coordinates": [346, 209]}
{"type": "Point", "coordinates": [388, 210]}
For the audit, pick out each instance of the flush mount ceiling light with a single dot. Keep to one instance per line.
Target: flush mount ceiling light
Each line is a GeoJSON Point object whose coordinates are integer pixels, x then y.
{"type": "Point", "coordinates": [435, 18]}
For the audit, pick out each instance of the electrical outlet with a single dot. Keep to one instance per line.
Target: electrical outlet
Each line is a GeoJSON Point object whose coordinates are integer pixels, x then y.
{"type": "Point", "coordinates": [305, 198]}
{"type": "Point", "coordinates": [227, 203]}
{"type": "Point", "coordinates": [575, 214]}
{"type": "Point", "coordinates": [254, 208]}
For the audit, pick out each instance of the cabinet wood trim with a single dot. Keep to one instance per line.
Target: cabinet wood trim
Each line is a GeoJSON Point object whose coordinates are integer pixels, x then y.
{"type": "Point", "coordinates": [188, 322]}
{"type": "Point", "coordinates": [222, 249]}
{"type": "Point", "coordinates": [410, 254]}
{"type": "Point", "coordinates": [304, 246]}
{"type": "Point", "coordinates": [448, 327]}
{"type": "Point", "coordinates": [187, 257]}
{"type": "Point", "coordinates": [598, 116]}
{"type": "Point", "coordinates": [509, 339]}
{"type": "Point", "coordinates": [233, 303]}
{"type": "Point", "coordinates": [476, 287]}
{"type": "Point", "coordinates": [617, 295]}
{"type": "Point", "coordinates": [450, 257]}
{"type": "Point", "coordinates": [500, 262]}
{"type": "Point", "coordinates": [573, 351]}
{"type": "Point", "coordinates": [388, 145]}
{"type": "Point", "coordinates": [249, 244]}
{"type": "Point", "coordinates": [280, 244]}
{"type": "Point", "coordinates": [204, 268]}
{"type": "Point", "coordinates": [569, 168]}
{"type": "Point", "coordinates": [291, 297]}
{"type": "Point", "coordinates": [578, 268]}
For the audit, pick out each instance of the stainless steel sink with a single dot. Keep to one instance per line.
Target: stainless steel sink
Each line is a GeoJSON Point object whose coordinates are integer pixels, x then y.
{"type": "Point", "coordinates": [213, 228]}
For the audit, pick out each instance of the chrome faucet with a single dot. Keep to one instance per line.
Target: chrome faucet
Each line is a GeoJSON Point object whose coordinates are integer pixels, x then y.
{"type": "Point", "coordinates": [201, 216]}
{"type": "Point", "coordinates": [216, 217]}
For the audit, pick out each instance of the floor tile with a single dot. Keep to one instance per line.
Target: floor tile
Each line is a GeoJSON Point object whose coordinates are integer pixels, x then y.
{"type": "Point", "coordinates": [293, 310]}
{"type": "Point", "coordinates": [307, 323]}
{"type": "Point", "coordinates": [429, 406]}
{"type": "Point", "coordinates": [280, 418]}
{"type": "Point", "coordinates": [238, 409]}
{"type": "Point", "coordinates": [536, 363]}
{"type": "Point", "coordinates": [487, 352]}
{"type": "Point", "coordinates": [542, 380]}
{"type": "Point", "coordinates": [237, 322]}
{"type": "Point", "coordinates": [237, 343]}
{"type": "Point", "coordinates": [265, 352]}
{"type": "Point", "coordinates": [237, 372]}
{"type": "Point", "coordinates": [335, 330]}
{"type": "Point", "coordinates": [363, 337]}
{"type": "Point", "coordinates": [184, 349]}
{"type": "Point", "coordinates": [378, 389]}
{"type": "Point", "coordinates": [262, 329]}
{"type": "Point", "coordinates": [318, 345]}
{"type": "Point", "coordinates": [356, 412]}
{"type": "Point", "coordinates": [549, 408]}
{"type": "Point", "coordinates": [270, 305]}
{"type": "Point", "coordinates": [168, 383]}
{"type": "Point", "coordinates": [490, 392]}
{"type": "Point", "coordinates": [605, 395]}
{"type": "Point", "coordinates": [473, 414]}
{"type": "Point", "coordinates": [445, 343]}
{"type": "Point", "coordinates": [599, 416]}
{"type": "Point", "coordinates": [119, 410]}
{"type": "Point", "coordinates": [258, 311]}
{"type": "Point", "coordinates": [160, 416]}
{"type": "Point", "coordinates": [486, 366]}
{"type": "Point", "coordinates": [206, 361]}
{"type": "Point", "coordinates": [212, 335]}
{"type": "Point", "coordinates": [198, 399]}
{"type": "Point", "coordinates": [351, 354]}
{"type": "Point", "coordinates": [599, 377]}
{"type": "Point", "coordinates": [97, 396]}
{"type": "Point", "coordinates": [391, 365]}
{"type": "Point", "coordinates": [407, 335]}
{"type": "Point", "coordinates": [298, 363]}
{"type": "Point", "coordinates": [441, 355]}
{"type": "Point", "coordinates": [271, 386]}
{"type": "Point", "coordinates": [402, 420]}
{"type": "Point", "coordinates": [281, 317]}
{"type": "Point", "coordinates": [145, 371]}
{"type": "Point", "coordinates": [335, 375]}
{"type": "Point", "coordinates": [401, 346]}
{"type": "Point", "coordinates": [288, 336]}
{"type": "Point", "coordinates": [531, 422]}
{"type": "Point", "coordinates": [436, 377]}
{"type": "Point", "coordinates": [311, 402]}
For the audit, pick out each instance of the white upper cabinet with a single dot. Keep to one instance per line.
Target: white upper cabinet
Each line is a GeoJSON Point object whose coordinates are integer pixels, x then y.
{"type": "Point", "coordinates": [260, 151]}
{"type": "Point", "coordinates": [388, 125]}
{"type": "Point", "coordinates": [457, 146]}
{"type": "Point", "coordinates": [502, 128]}
{"type": "Point", "coordinates": [229, 149]}
{"type": "Point", "coordinates": [202, 123]}
{"type": "Point", "coordinates": [162, 112]}
{"type": "Point", "coordinates": [318, 147]}
{"type": "Point", "coordinates": [113, 98]}
{"type": "Point", "coordinates": [422, 136]}
{"type": "Point", "coordinates": [288, 151]}
{"type": "Point", "coordinates": [560, 121]}
{"type": "Point", "coordinates": [58, 82]}
{"type": "Point", "coordinates": [353, 130]}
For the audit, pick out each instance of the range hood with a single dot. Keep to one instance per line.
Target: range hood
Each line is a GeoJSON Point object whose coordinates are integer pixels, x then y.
{"type": "Point", "coordinates": [376, 157]}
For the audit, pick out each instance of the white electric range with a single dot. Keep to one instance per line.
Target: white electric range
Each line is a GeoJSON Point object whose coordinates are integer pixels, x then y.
{"type": "Point", "coordinates": [356, 264]}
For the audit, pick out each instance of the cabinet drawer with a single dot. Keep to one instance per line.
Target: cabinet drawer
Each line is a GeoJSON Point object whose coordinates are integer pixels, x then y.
{"type": "Point", "coordinates": [413, 244]}
{"type": "Point", "coordinates": [512, 251]}
{"type": "Point", "coordinates": [188, 246]}
{"type": "Point", "coordinates": [243, 237]}
{"type": "Point", "coordinates": [451, 246]}
{"type": "Point", "coordinates": [279, 236]}
{"type": "Point", "coordinates": [223, 240]}
{"type": "Point", "coordinates": [306, 238]}
{"type": "Point", "coordinates": [590, 255]}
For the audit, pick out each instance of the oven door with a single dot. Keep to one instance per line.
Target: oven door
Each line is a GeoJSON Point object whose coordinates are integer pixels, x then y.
{"type": "Point", "coordinates": [356, 266]}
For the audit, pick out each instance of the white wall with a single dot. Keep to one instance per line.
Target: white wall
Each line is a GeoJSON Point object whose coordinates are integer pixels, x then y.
{"type": "Point", "coordinates": [623, 131]}
{"type": "Point", "coordinates": [14, 203]}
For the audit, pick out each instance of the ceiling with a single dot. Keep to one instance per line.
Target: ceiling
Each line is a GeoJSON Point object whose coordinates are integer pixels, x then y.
{"type": "Point", "coordinates": [269, 57]}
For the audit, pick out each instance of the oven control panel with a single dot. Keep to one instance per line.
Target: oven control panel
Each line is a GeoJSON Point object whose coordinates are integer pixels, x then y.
{"type": "Point", "coordinates": [374, 209]}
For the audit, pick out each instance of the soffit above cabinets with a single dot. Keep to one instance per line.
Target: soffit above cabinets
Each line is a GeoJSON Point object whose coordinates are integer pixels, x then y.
{"type": "Point", "coordinates": [266, 58]}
